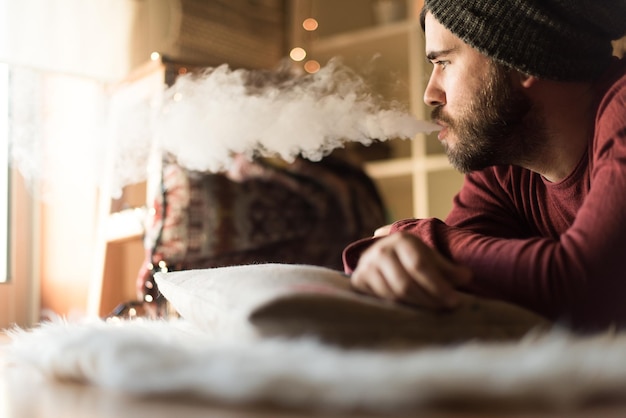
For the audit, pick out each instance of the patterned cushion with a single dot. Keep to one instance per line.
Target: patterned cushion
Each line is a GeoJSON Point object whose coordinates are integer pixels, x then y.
{"type": "Point", "coordinates": [260, 211]}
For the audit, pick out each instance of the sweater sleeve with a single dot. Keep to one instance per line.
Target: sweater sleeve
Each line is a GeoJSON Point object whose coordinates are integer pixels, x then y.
{"type": "Point", "coordinates": [577, 277]}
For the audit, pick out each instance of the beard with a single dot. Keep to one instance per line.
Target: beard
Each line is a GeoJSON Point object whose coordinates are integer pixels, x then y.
{"type": "Point", "coordinates": [499, 127]}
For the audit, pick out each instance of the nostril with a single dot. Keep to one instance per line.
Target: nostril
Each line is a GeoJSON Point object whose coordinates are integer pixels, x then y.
{"type": "Point", "coordinates": [433, 102]}
{"type": "Point", "coordinates": [433, 96]}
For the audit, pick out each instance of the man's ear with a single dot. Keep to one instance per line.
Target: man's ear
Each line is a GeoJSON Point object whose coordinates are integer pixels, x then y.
{"type": "Point", "coordinates": [526, 80]}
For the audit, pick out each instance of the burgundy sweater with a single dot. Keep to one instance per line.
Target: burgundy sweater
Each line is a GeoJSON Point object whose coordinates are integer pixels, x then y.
{"type": "Point", "coordinates": [558, 249]}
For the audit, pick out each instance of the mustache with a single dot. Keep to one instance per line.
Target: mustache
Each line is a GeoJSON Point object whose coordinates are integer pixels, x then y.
{"type": "Point", "coordinates": [438, 114]}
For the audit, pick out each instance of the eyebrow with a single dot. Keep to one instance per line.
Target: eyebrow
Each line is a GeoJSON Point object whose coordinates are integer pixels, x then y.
{"type": "Point", "coordinates": [433, 55]}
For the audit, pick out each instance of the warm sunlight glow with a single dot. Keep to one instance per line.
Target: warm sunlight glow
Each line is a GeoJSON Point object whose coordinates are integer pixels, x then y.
{"type": "Point", "coordinates": [297, 54]}
{"type": "Point", "coordinates": [5, 411]}
{"type": "Point", "coordinates": [4, 170]}
{"type": "Point", "coordinates": [310, 24]}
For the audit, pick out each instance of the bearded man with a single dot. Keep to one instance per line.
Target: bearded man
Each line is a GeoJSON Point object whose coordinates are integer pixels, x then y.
{"type": "Point", "coordinates": [532, 107]}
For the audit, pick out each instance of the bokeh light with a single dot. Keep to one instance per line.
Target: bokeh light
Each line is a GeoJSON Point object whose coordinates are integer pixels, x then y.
{"type": "Point", "coordinates": [310, 24]}
{"type": "Point", "coordinates": [311, 66]}
{"type": "Point", "coordinates": [297, 54]}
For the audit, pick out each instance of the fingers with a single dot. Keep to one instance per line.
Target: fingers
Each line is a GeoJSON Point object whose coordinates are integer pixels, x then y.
{"type": "Point", "coordinates": [387, 279]}
{"type": "Point", "coordinates": [426, 269]}
{"type": "Point", "coordinates": [396, 270]}
{"type": "Point", "coordinates": [403, 268]}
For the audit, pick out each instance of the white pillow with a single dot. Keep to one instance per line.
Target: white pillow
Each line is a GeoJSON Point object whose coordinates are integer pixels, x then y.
{"type": "Point", "coordinates": [301, 300]}
{"type": "Point", "coordinates": [223, 300]}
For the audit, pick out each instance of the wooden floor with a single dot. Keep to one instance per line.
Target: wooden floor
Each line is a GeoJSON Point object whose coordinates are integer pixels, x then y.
{"type": "Point", "coordinates": [25, 394]}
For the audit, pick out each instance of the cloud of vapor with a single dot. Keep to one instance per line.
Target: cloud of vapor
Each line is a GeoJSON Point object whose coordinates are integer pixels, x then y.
{"type": "Point", "coordinates": [206, 119]}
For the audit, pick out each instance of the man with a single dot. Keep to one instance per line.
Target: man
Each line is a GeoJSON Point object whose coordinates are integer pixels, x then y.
{"type": "Point", "coordinates": [532, 107]}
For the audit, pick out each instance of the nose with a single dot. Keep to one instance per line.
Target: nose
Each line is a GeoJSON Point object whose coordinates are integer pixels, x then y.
{"type": "Point", "coordinates": [434, 95]}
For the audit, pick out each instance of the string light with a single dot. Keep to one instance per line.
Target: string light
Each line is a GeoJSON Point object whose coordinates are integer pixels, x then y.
{"type": "Point", "coordinates": [297, 54]}
{"type": "Point", "coordinates": [311, 66]}
{"type": "Point", "coordinates": [310, 24]}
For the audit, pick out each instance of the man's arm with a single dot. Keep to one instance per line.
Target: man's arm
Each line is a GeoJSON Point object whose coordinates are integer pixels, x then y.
{"type": "Point", "coordinates": [579, 277]}
{"type": "Point", "coordinates": [390, 267]}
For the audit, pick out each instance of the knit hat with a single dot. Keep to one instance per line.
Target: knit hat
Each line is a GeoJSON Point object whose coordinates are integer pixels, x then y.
{"type": "Point", "coordinates": [568, 40]}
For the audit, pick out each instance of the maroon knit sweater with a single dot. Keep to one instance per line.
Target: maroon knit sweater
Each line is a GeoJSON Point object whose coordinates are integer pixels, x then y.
{"type": "Point", "coordinates": [558, 249]}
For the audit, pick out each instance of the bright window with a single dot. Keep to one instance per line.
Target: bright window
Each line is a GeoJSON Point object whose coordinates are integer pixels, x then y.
{"type": "Point", "coordinates": [4, 171]}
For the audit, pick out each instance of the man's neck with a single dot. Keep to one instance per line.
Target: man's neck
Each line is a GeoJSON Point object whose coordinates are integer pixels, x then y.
{"type": "Point", "coordinates": [569, 118]}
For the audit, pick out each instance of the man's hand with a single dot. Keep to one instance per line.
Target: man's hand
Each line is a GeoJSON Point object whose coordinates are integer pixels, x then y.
{"type": "Point", "coordinates": [400, 267]}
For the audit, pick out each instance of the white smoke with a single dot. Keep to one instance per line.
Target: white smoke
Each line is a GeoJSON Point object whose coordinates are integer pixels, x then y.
{"type": "Point", "coordinates": [205, 120]}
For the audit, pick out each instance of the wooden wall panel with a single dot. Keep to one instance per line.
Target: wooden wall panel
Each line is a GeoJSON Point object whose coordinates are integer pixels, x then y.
{"type": "Point", "coordinates": [242, 33]}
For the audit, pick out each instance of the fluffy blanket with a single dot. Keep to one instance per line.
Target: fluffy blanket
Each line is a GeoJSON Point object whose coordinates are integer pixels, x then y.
{"type": "Point", "coordinates": [153, 358]}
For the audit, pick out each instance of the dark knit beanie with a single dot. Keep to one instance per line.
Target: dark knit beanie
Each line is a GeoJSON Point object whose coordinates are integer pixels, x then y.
{"type": "Point", "coordinates": [568, 40]}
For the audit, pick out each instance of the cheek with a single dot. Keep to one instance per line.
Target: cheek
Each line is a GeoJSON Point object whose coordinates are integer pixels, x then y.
{"type": "Point", "coordinates": [465, 84]}
{"type": "Point", "coordinates": [458, 98]}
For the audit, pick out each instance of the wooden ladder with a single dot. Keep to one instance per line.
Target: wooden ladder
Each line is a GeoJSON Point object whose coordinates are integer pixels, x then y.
{"type": "Point", "coordinates": [118, 224]}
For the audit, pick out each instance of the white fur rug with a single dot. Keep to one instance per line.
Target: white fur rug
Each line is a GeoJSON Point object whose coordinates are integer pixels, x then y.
{"type": "Point", "coordinates": [152, 358]}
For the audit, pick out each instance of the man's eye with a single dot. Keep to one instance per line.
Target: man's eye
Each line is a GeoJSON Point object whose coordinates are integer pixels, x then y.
{"type": "Point", "coordinates": [442, 63]}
